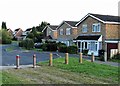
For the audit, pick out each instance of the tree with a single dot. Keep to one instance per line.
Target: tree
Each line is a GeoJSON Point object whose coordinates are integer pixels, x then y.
{"type": "Point", "coordinates": [42, 26]}
{"type": "Point", "coordinates": [4, 25]}
{"type": "Point", "coordinates": [6, 38]}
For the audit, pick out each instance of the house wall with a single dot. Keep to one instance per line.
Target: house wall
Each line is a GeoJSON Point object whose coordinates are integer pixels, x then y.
{"type": "Point", "coordinates": [67, 37]}
{"type": "Point", "coordinates": [19, 33]}
{"type": "Point", "coordinates": [112, 31]}
{"type": "Point", "coordinates": [90, 21]}
{"type": "Point", "coordinates": [55, 34]}
{"type": "Point", "coordinates": [52, 33]}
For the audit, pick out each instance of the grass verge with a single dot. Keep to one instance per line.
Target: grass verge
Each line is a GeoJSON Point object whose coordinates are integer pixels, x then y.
{"type": "Point", "coordinates": [99, 71]}
{"type": "Point", "coordinates": [60, 73]}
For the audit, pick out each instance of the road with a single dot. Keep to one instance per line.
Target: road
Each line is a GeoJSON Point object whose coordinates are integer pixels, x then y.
{"type": "Point", "coordinates": [8, 58]}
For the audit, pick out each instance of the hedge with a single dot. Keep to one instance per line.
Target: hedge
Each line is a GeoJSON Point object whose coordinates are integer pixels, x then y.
{"type": "Point", "coordinates": [28, 43]}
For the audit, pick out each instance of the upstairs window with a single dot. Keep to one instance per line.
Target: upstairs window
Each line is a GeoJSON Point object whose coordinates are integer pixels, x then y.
{"type": "Point", "coordinates": [84, 28]}
{"type": "Point", "coordinates": [68, 31]}
{"type": "Point", "coordinates": [61, 31]}
{"type": "Point", "coordinates": [96, 27]}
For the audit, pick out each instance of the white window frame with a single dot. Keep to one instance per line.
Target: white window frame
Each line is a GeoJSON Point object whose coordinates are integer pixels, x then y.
{"type": "Point", "coordinates": [96, 27]}
{"type": "Point", "coordinates": [61, 31]}
{"type": "Point", "coordinates": [84, 28]}
{"type": "Point", "coordinates": [68, 31]}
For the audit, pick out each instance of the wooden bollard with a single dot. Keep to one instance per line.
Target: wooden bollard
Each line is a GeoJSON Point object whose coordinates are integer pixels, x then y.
{"type": "Point", "coordinates": [34, 61]}
{"type": "Point", "coordinates": [80, 59]}
{"type": "Point", "coordinates": [92, 57]}
{"type": "Point", "coordinates": [17, 61]}
{"type": "Point", "coordinates": [50, 61]}
{"type": "Point", "coordinates": [66, 58]}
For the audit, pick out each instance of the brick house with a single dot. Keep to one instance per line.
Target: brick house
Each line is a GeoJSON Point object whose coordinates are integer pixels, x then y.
{"type": "Point", "coordinates": [10, 31]}
{"type": "Point", "coordinates": [25, 33]}
{"type": "Point", "coordinates": [17, 33]}
{"type": "Point", "coordinates": [96, 32]}
{"type": "Point", "coordinates": [50, 32]}
{"type": "Point", "coordinates": [67, 31]}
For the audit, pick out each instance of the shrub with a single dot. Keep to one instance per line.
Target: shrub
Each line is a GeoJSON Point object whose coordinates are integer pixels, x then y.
{"type": "Point", "coordinates": [49, 47]}
{"type": "Point", "coordinates": [85, 52]}
{"type": "Point", "coordinates": [62, 48]}
{"type": "Point", "coordinates": [6, 37]}
{"type": "Point", "coordinates": [28, 43]}
{"type": "Point", "coordinates": [44, 47]}
{"type": "Point", "coordinates": [72, 49]}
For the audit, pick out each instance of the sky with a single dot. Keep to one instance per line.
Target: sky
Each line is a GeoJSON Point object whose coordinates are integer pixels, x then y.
{"type": "Point", "coordinates": [28, 13]}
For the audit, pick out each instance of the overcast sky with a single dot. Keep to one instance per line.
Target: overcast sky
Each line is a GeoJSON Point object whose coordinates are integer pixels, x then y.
{"type": "Point", "coordinates": [28, 13]}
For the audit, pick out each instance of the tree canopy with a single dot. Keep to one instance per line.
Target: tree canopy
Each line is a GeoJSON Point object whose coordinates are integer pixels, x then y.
{"type": "Point", "coordinates": [4, 25]}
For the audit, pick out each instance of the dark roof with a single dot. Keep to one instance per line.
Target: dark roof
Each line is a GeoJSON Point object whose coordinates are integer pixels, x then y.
{"type": "Point", "coordinates": [53, 27]}
{"type": "Point", "coordinates": [91, 37]}
{"type": "Point", "coordinates": [72, 23]}
{"type": "Point", "coordinates": [107, 18]}
{"type": "Point", "coordinates": [48, 37]}
{"type": "Point", "coordinates": [28, 29]}
{"type": "Point", "coordinates": [17, 29]}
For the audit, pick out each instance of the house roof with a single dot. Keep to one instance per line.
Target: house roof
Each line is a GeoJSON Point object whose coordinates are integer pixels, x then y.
{"type": "Point", "coordinates": [87, 37]}
{"type": "Point", "coordinates": [17, 29]}
{"type": "Point", "coordinates": [107, 18]}
{"type": "Point", "coordinates": [103, 18]}
{"type": "Point", "coordinates": [52, 27]}
{"type": "Point", "coordinates": [28, 29]}
{"type": "Point", "coordinates": [70, 23]}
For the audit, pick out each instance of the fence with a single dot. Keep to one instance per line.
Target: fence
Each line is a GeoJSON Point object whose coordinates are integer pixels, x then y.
{"type": "Point", "coordinates": [113, 52]}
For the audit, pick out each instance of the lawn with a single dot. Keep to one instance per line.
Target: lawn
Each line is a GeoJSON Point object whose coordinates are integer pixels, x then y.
{"type": "Point", "coordinates": [60, 73]}
{"type": "Point", "coordinates": [99, 71]}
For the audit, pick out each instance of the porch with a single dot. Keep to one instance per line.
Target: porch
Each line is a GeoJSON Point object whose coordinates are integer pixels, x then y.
{"type": "Point", "coordinates": [92, 43]}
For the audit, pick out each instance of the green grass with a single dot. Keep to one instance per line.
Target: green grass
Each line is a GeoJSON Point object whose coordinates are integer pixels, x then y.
{"type": "Point", "coordinates": [115, 60]}
{"type": "Point", "coordinates": [0, 78]}
{"type": "Point", "coordinates": [60, 73]}
{"type": "Point", "coordinates": [10, 49]}
{"type": "Point", "coordinates": [9, 78]}
{"type": "Point", "coordinates": [106, 72]}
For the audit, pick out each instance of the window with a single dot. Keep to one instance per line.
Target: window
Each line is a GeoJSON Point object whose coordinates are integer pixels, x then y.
{"type": "Point", "coordinates": [96, 27]}
{"type": "Point", "coordinates": [49, 32]}
{"type": "Point", "coordinates": [92, 46]}
{"type": "Point", "coordinates": [61, 31]}
{"type": "Point", "coordinates": [84, 28]}
{"type": "Point", "coordinates": [68, 31]}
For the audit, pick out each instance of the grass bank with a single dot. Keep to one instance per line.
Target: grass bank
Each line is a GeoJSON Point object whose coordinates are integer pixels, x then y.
{"type": "Point", "coordinates": [98, 71]}
{"type": "Point", "coordinates": [60, 73]}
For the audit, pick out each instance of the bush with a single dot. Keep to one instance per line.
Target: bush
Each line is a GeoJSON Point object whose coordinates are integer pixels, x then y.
{"type": "Point", "coordinates": [49, 47]}
{"type": "Point", "coordinates": [85, 52]}
{"type": "Point", "coordinates": [44, 47]}
{"type": "Point", "coordinates": [28, 43]}
{"type": "Point", "coordinates": [72, 49]}
{"type": "Point", "coordinates": [63, 49]}
{"type": "Point", "coordinates": [6, 37]}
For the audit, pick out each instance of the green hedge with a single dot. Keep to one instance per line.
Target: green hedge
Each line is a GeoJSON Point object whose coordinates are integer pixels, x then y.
{"type": "Point", "coordinates": [61, 47]}
{"type": "Point", "coordinates": [28, 43]}
{"type": "Point", "coordinates": [72, 49]}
